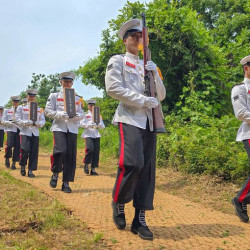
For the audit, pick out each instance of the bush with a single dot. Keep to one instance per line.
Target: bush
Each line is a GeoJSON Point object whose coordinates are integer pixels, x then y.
{"type": "Point", "coordinates": [207, 147]}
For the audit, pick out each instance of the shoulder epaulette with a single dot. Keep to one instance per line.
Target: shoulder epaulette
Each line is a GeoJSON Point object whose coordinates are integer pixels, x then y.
{"type": "Point", "coordinates": [238, 84]}
{"type": "Point", "coordinates": [117, 55]}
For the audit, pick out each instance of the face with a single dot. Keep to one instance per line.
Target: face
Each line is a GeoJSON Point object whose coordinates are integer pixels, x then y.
{"type": "Point", "coordinates": [247, 71]}
{"type": "Point", "coordinates": [66, 83]}
{"type": "Point", "coordinates": [31, 98]}
{"type": "Point", "coordinates": [15, 103]}
{"type": "Point", "coordinates": [90, 107]}
{"type": "Point", "coordinates": [1, 111]}
{"type": "Point", "coordinates": [132, 42]}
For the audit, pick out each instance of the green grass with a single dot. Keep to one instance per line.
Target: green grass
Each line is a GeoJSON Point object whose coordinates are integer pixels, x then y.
{"type": "Point", "coordinates": [32, 220]}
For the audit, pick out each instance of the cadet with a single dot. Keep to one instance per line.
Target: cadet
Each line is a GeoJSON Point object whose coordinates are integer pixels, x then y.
{"type": "Point", "coordinates": [65, 132]}
{"type": "Point", "coordinates": [92, 140]}
{"type": "Point", "coordinates": [24, 101]}
{"type": "Point", "coordinates": [1, 127]}
{"type": "Point", "coordinates": [136, 172]}
{"type": "Point", "coordinates": [29, 133]}
{"type": "Point", "coordinates": [13, 139]}
{"type": "Point", "coordinates": [240, 97]}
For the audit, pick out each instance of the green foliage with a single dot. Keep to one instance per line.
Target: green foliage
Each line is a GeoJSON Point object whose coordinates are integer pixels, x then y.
{"type": "Point", "coordinates": [205, 146]}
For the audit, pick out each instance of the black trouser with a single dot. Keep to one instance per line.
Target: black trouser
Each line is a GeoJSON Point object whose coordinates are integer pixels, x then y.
{"type": "Point", "coordinates": [136, 172]}
{"type": "Point", "coordinates": [64, 154]}
{"type": "Point", "coordinates": [244, 194]}
{"type": "Point", "coordinates": [1, 137]}
{"type": "Point", "coordinates": [13, 141]}
{"type": "Point", "coordinates": [92, 151]}
{"type": "Point", "coordinates": [29, 149]}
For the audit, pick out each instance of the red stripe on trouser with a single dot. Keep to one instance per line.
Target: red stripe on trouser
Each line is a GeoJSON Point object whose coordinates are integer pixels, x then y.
{"type": "Point", "coordinates": [247, 188]}
{"type": "Point", "coordinates": [85, 150]}
{"type": "Point", "coordinates": [121, 165]}
{"type": "Point", "coordinates": [51, 156]}
{"type": "Point", "coordinates": [20, 155]}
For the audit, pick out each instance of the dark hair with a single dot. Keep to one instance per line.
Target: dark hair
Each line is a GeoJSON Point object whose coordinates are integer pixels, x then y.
{"type": "Point", "coordinates": [128, 32]}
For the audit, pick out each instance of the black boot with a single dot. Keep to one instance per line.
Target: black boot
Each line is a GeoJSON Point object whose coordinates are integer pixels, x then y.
{"type": "Point", "coordinates": [66, 188]}
{"type": "Point", "coordinates": [13, 166]}
{"type": "Point", "coordinates": [22, 171]}
{"type": "Point", "coordinates": [240, 209]}
{"type": "Point", "coordinates": [86, 169]}
{"type": "Point", "coordinates": [139, 225]}
{"type": "Point", "coordinates": [118, 215]}
{"type": "Point", "coordinates": [93, 172]}
{"type": "Point", "coordinates": [7, 162]}
{"type": "Point", "coordinates": [30, 174]}
{"type": "Point", "coordinates": [53, 180]}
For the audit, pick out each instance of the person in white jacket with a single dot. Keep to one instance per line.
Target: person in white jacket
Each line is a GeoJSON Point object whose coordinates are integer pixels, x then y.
{"type": "Point", "coordinates": [92, 140]}
{"type": "Point", "coordinates": [240, 97]}
{"type": "Point", "coordinates": [13, 131]}
{"type": "Point", "coordinates": [29, 134]}
{"type": "Point", "coordinates": [1, 128]}
{"type": "Point", "coordinates": [124, 81]}
{"type": "Point", "coordinates": [65, 132]}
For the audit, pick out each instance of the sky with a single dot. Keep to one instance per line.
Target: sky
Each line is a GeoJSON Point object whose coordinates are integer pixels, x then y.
{"type": "Point", "coordinates": [48, 37]}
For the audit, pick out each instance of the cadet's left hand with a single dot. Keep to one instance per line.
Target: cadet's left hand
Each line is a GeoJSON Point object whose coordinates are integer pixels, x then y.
{"type": "Point", "coordinates": [99, 125]}
{"type": "Point", "coordinates": [77, 117]}
{"type": "Point", "coordinates": [37, 123]}
{"type": "Point", "coordinates": [151, 66]}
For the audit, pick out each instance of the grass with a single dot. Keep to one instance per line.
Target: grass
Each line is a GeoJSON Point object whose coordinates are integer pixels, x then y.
{"type": "Point", "coordinates": [31, 220]}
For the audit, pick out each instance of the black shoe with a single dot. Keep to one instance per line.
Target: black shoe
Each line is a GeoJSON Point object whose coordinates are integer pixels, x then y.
{"type": "Point", "coordinates": [142, 230]}
{"type": "Point", "coordinates": [118, 215]}
{"type": "Point", "coordinates": [240, 209]}
{"type": "Point", "coordinates": [13, 166]}
{"type": "Point", "coordinates": [93, 173]}
{"type": "Point", "coordinates": [22, 171]}
{"type": "Point", "coordinates": [53, 182]}
{"type": "Point", "coordinates": [7, 162]}
{"type": "Point", "coordinates": [31, 175]}
{"type": "Point", "coordinates": [86, 169]}
{"type": "Point", "coordinates": [66, 189]}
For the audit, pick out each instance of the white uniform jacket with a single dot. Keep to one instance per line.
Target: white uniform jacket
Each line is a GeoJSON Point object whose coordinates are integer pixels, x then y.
{"type": "Point", "coordinates": [54, 104]}
{"type": "Point", "coordinates": [90, 132]}
{"type": "Point", "coordinates": [8, 118]}
{"type": "Point", "coordinates": [22, 116]}
{"type": "Point", "coordinates": [124, 81]}
{"type": "Point", "coordinates": [240, 97]}
{"type": "Point", "coordinates": [2, 127]}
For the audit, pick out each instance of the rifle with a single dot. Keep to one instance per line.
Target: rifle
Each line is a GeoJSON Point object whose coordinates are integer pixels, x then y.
{"type": "Point", "coordinates": [150, 89]}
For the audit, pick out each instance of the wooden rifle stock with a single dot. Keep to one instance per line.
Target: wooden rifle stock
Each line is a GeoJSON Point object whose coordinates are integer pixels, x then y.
{"type": "Point", "coordinates": [150, 89]}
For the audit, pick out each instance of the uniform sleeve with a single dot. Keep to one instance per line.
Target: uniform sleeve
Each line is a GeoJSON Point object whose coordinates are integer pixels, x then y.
{"type": "Point", "coordinates": [102, 124]}
{"type": "Point", "coordinates": [79, 110]}
{"type": "Point", "coordinates": [238, 98]}
{"type": "Point", "coordinates": [160, 88]}
{"type": "Point", "coordinates": [115, 84]}
{"type": "Point", "coordinates": [50, 109]}
{"type": "Point", "coordinates": [41, 121]}
{"type": "Point", "coordinates": [5, 117]}
{"type": "Point", "coordinates": [19, 115]}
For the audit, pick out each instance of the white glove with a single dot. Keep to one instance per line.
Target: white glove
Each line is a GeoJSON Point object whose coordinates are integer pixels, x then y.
{"type": "Point", "coordinates": [151, 102]}
{"type": "Point", "coordinates": [99, 126]}
{"type": "Point", "coordinates": [61, 115]}
{"type": "Point", "coordinates": [37, 123]}
{"type": "Point", "coordinates": [8, 123]}
{"type": "Point", "coordinates": [77, 117]}
{"type": "Point", "coordinates": [151, 66]}
{"type": "Point", "coordinates": [27, 123]}
{"type": "Point", "coordinates": [92, 125]}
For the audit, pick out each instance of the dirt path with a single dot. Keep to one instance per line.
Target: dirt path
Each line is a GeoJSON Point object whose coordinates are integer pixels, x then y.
{"type": "Point", "coordinates": [176, 222]}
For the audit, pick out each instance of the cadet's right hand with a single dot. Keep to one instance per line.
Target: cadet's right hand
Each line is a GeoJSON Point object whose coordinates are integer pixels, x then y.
{"type": "Point", "coordinates": [151, 102]}
{"type": "Point", "coordinates": [8, 123]}
{"type": "Point", "coordinates": [62, 115]}
{"type": "Point", "coordinates": [28, 123]}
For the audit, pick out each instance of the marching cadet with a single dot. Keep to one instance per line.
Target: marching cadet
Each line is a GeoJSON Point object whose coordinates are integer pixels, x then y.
{"type": "Point", "coordinates": [92, 140]}
{"type": "Point", "coordinates": [24, 101]}
{"type": "Point", "coordinates": [29, 133]}
{"type": "Point", "coordinates": [1, 127]}
{"type": "Point", "coordinates": [136, 171]}
{"type": "Point", "coordinates": [240, 98]}
{"type": "Point", "coordinates": [13, 139]}
{"type": "Point", "coordinates": [65, 132]}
